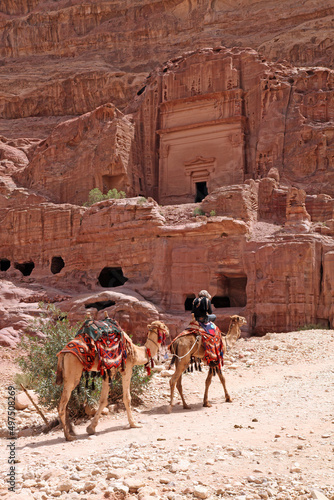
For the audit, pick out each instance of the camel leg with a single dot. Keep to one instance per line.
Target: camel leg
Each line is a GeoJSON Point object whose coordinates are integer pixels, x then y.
{"type": "Point", "coordinates": [126, 380]}
{"type": "Point", "coordinates": [206, 392]}
{"type": "Point", "coordinates": [172, 383]}
{"type": "Point", "coordinates": [69, 424]}
{"type": "Point", "coordinates": [62, 409]}
{"type": "Point", "coordinates": [179, 388]}
{"type": "Point", "coordinates": [222, 379]}
{"type": "Point", "coordinates": [179, 369]}
{"type": "Point", "coordinates": [71, 372]}
{"type": "Point", "coordinates": [102, 403]}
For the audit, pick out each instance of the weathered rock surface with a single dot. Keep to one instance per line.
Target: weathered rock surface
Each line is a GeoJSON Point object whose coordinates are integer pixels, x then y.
{"type": "Point", "coordinates": [67, 59]}
{"type": "Point", "coordinates": [226, 116]}
{"type": "Point", "coordinates": [156, 259]}
{"type": "Point", "coordinates": [254, 135]}
{"type": "Point", "coordinates": [81, 154]}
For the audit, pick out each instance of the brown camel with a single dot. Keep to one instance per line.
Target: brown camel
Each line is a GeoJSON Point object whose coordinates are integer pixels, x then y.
{"type": "Point", "coordinates": [69, 371]}
{"type": "Point", "coordinates": [188, 346]}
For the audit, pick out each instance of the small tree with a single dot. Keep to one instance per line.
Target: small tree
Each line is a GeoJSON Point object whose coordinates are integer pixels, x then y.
{"type": "Point", "coordinates": [198, 211]}
{"type": "Point", "coordinates": [39, 361]}
{"type": "Point", "coordinates": [113, 193]}
{"type": "Point", "coordinates": [95, 195]}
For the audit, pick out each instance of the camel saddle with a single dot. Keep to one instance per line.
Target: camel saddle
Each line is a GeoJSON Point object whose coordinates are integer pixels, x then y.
{"type": "Point", "coordinates": [211, 340]}
{"type": "Point", "coordinates": [102, 338]}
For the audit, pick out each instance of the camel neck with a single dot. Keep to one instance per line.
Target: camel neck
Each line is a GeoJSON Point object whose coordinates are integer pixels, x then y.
{"type": "Point", "coordinates": [152, 347]}
{"type": "Point", "coordinates": [142, 353]}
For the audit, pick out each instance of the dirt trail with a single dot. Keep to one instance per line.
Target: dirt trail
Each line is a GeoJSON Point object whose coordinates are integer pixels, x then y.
{"type": "Point", "coordinates": [275, 440]}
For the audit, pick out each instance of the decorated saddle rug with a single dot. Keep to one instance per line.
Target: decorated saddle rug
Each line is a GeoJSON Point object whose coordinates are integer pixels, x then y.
{"type": "Point", "coordinates": [211, 339]}
{"type": "Point", "coordinates": [103, 339]}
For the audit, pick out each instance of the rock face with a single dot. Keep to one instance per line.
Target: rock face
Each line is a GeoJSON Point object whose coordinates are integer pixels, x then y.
{"type": "Point", "coordinates": [276, 279]}
{"type": "Point", "coordinates": [61, 58]}
{"type": "Point", "coordinates": [227, 116]}
{"type": "Point", "coordinates": [81, 154]}
{"type": "Point", "coordinates": [237, 150]}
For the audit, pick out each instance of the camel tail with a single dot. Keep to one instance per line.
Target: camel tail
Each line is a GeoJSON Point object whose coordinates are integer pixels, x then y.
{"type": "Point", "coordinates": [172, 362]}
{"type": "Point", "coordinates": [59, 373]}
{"type": "Point", "coordinates": [173, 350]}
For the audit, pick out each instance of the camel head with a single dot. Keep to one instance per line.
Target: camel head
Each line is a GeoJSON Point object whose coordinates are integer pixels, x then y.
{"type": "Point", "coordinates": [158, 328]}
{"type": "Point", "coordinates": [234, 331]}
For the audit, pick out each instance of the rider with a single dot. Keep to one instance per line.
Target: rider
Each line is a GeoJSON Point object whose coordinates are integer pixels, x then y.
{"type": "Point", "coordinates": [202, 309]}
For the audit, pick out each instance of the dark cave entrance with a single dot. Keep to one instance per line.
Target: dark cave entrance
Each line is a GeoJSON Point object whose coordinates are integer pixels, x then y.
{"type": "Point", "coordinates": [111, 277]}
{"type": "Point", "coordinates": [110, 182]}
{"type": "Point", "coordinates": [4, 264]}
{"type": "Point", "coordinates": [100, 305]}
{"type": "Point", "coordinates": [231, 291]}
{"type": "Point", "coordinates": [25, 268]}
{"type": "Point", "coordinates": [220, 302]}
{"type": "Point", "coordinates": [201, 191]}
{"type": "Point", "coordinates": [57, 264]}
{"type": "Point", "coordinates": [188, 303]}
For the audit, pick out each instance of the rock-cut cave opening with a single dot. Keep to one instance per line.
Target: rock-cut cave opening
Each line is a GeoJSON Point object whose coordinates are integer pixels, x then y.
{"type": "Point", "coordinates": [201, 191]}
{"type": "Point", "coordinates": [111, 277]}
{"type": "Point", "coordinates": [25, 268]}
{"type": "Point", "coordinates": [4, 264]}
{"type": "Point", "coordinates": [100, 305]}
{"type": "Point", "coordinates": [57, 264]}
{"type": "Point", "coordinates": [231, 291]}
{"type": "Point", "coordinates": [220, 301]}
{"type": "Point", "coordinates": [188, 303]}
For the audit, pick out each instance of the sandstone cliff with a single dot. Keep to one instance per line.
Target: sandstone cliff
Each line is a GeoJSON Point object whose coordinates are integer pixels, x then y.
{"type": "Point", "coordinates": [172, 102]}
{"type": "Point", "coordinates": [68, 57]}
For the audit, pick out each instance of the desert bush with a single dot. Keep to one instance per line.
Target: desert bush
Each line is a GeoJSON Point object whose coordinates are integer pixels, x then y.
{"type": "Point", "coordinates": [39, 360]}
{"type": "Point", "coordinates": [198, 211]}
{"type": "Point", "coordinates": [313, 326]}
{"type": "Point", "coordinates": [95, 195]}
{"type": "Point", "coordinates": [139, 382]}
{"type": "Point", "coordinates": [142, 200]}
{"type": "Point", "coordinates": [212, 213]}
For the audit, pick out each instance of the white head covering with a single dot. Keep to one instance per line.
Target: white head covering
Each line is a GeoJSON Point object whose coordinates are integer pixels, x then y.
{"type": "Point", "coordinates": [204, 293]}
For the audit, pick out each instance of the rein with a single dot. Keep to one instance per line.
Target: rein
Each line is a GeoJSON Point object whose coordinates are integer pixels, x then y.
{"type": "Point", "coordinates": [181, 357]}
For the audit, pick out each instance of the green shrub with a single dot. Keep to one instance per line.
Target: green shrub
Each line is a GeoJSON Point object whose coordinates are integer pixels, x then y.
{"type": "Point", "coordinates": [39, 364]}
{"type": "Point", "coordinates": [113, 193]}
{"type": "Point", "coordinates": [142, 200]}
{"type": "Point", "coordinates": [39, 361]}
{"type": "Point", "coordinates": [313, 326]}
{"type": "Point", "coordinates": [212, 213]}
{"type": "Point", "coordinates": [95, 195]}
{"type": "Point", "coordinates": [139, 382]}
{"type": "Point", "coordinates": [198, 211]}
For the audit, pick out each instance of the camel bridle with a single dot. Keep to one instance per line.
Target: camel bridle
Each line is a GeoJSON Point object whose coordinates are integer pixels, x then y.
{"type": "Point", "coordinates": [161, 334]}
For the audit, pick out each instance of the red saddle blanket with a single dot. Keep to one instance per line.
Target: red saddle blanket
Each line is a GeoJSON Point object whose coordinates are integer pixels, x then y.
{"type": "Point", "coordinates": [108, 345]}
{"type": "Point", "coordinates": [211, 339]}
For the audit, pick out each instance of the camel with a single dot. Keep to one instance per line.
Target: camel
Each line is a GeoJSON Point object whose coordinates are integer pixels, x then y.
{"type": "Point", "coordinates": [69, 371]}
{"type": "Point", "coordinates": [188, 346]}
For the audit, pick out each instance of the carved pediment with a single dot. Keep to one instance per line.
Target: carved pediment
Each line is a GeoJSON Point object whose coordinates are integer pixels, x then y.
{"type": "Point", "coordinates": [200, 164]}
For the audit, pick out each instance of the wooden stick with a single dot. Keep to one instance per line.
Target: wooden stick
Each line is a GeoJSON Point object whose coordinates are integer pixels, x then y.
{"type": "Point", "coordinates": [35, 405]}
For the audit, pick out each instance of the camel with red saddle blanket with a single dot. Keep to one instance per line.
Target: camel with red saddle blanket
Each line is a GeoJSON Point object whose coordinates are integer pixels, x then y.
{"type": "Point", "coordinates": [197, 343]}
{"type": "Point", "coordinates": [85, 352]}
